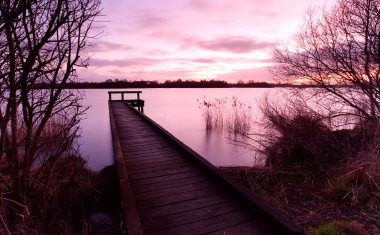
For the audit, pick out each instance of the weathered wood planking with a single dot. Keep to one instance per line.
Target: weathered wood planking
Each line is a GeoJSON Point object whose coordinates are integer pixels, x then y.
{"type": "Point", "coordinates": [175, 191]}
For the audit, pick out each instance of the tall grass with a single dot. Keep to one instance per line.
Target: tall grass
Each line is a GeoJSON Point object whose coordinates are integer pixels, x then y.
{"type": "Point", "coordinates": [240, 118]}
{"type": "Point", "coordinates": [57, 182]}
{"type": "Point", "coordinates": [212, 112]}
{"type": "Point", "coordinates": [231, 115]}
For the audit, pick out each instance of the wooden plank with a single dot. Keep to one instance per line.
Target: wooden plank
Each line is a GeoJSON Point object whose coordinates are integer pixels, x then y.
{"type": "Point", "coordinates": [163, 163]}
{"type": "Point", "coordinates": [247, 228]}
{"type": "Point", "coordinates": [168, 184]}
{"type": "Point", "coordinates": [159, 154]}
{"type": "Point", "coordinates": [135, 153]}
{"type": "Point", "coordinates": [136, 162]}
{"type": "Point", "coordinates": [156, 167]}
{"type": "Point", "coordinates": [151, 158]}
{"type": "Point", "coordinates": [143, 143]}
{"type": "Point", "coordinates": [151, 140]}
{"type": "Point", "coordinates": [176, 197]}
{"type": "Point", "coordinates": [115, 92]}
{"type": "Point", "coordinates": [188, 217]}
{"type": "Point", "coordinates": [141, 164]}
{"type": "Point", "coordinates": [158, 173]}
{"type": "Point", "coordinates": [179, 207]}
{"type": "Point", "coordinates": [207, 225]}
{"type": "Point", "coordinates": [169, 191]}
{"type": "Point", "coordinates": [154, 156]}
{"type": "Point", "coordinates": [164, 178]}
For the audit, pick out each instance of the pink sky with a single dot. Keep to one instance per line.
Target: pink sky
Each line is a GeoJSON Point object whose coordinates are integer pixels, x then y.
{"type": "Point", "coordinates": [192, 39]}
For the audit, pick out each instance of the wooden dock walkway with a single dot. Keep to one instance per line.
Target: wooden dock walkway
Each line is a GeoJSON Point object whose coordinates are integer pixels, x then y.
{"type": "Point", "coordinates": [169, 189]}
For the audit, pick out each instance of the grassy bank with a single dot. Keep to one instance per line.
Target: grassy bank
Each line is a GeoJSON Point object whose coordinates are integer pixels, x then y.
{"type": "Point", "coordinates": [326, 179]}
{"type": "Point", "coordinates": [77, 201]}
{"type": "Point", "coordinates": [312, 204]}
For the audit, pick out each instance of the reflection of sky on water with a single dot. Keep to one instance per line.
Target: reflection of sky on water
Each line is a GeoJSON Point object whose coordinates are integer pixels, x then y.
{"type": "Point", "coordinates": [177, 110]}
{"type": "Point", "coordinates": [96, 141]}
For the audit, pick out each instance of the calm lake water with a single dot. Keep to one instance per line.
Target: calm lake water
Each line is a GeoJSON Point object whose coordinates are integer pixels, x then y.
{"type": "Point", "coordinates": [179, 112]}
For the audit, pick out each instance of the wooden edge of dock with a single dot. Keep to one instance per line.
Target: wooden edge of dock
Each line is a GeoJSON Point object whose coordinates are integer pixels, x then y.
{"type": "Point", "coordinates": [253, 200]}
{"type": "Point", "coordinates": [131, 216]}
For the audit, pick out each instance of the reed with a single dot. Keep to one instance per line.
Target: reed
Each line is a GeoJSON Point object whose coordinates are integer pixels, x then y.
{"type": "Point", "coordinates": [240, 119]}
{"type": "Point", "coordinates": [230, 115]}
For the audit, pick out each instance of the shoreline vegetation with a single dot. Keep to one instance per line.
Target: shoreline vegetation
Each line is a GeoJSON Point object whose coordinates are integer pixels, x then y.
{"type": "Point", "coordinates": [310, 203]}
{"type": "Point", "coordinates": [116, 83]}
{"type": "Point", "coordinates": [323, 178]}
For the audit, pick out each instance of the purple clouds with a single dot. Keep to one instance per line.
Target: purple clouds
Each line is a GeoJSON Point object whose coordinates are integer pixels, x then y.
{"type": "Point", "coordinates": [234, 44]}
{"type": "Point", "coordinates": [166, 39]}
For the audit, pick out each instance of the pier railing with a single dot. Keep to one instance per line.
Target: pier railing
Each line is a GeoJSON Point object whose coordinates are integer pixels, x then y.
{"type": "Point", "coordinates": [137, 103]}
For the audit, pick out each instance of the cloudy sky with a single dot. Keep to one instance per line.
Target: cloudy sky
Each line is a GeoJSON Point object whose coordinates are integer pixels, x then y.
{"type": "Point", "coordinates": [192, 39]}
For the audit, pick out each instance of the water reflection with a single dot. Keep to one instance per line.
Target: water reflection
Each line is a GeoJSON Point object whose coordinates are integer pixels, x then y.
{"type": "Point", "coordinates": [177, 111]}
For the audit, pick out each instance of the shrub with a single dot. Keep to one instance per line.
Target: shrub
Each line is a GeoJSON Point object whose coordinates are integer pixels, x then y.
{"type": "Point", "coordinates": [298, 138]}
{"type": "Point", "coordinates": [56, 205]}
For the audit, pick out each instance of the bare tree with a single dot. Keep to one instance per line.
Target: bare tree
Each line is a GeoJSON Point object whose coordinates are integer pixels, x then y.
{"type": "Point", "coordinates": [40, 43]}
{"type": "Point", "coordinates": [338, 49]}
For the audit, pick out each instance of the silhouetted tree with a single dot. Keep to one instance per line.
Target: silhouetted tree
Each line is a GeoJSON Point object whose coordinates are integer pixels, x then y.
{"type": "Point", "coordinates": [40, 43]}
{"type": "Point", "coordinates": [338, 49]}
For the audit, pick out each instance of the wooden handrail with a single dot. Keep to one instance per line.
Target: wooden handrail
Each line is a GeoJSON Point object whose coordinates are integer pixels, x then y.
{"type": "Point", "coordinates": [122, 94]}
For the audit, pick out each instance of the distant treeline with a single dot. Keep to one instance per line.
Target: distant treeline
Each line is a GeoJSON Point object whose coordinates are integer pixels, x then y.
{"type": "Point", "coordinates": [116, 83]}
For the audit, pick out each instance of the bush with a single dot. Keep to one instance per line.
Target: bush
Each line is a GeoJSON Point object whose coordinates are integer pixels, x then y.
{"type": "Point", "coordinates": [58, 204]}
{"type": "Point", "coordinates": [299, 138]}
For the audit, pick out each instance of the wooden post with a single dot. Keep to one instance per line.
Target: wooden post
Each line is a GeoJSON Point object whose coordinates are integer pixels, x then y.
{"type": "Point", "coordinates": [137, 103]}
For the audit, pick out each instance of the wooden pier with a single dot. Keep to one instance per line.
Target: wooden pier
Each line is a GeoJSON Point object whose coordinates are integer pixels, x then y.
{"type": "Point", "coordinates": [169, 189]}
{"type": "Point", "coordinates": [137, 103]}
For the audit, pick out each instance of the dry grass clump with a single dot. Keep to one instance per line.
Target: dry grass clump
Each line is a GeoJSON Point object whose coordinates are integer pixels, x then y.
{"type": "Point", "coordinates": [57, 207]}
{"type": "Point", "coordinates": [212, 112]}
{"type": "Point", "coordinates": [239, 118]}
{"type": "Point", "coordinates": [63, 204]}
{"type": "Point", "coordinates": [231, 115]}
{"type": "Point", "coordinates": [357, 183]}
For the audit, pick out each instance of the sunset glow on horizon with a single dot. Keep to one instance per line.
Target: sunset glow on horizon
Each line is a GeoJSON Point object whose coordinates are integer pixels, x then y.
{"type": "Point", "coordinates": [192, 39]}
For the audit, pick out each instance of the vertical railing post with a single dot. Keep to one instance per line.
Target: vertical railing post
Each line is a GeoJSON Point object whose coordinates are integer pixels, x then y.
{"type": "Point", "coordinates": [137, 103]}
